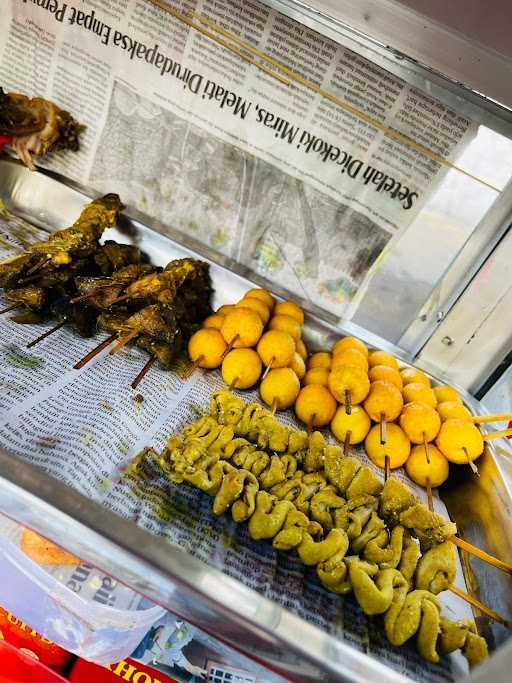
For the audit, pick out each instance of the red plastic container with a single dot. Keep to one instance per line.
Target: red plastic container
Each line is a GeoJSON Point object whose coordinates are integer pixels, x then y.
{"type": "Point", "coordinates": [17, 667]}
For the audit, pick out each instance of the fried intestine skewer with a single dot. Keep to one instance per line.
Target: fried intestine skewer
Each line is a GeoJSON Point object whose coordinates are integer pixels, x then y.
{"type": "Point", "coordinates": [302, 511]}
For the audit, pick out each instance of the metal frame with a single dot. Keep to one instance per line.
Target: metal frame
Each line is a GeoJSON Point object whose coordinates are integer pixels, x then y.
{"type": "Point", "coordinates": [186, 586]}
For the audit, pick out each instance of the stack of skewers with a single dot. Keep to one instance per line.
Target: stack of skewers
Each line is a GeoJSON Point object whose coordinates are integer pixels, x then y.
{"type": "Point", "coordinates": [109, 287]}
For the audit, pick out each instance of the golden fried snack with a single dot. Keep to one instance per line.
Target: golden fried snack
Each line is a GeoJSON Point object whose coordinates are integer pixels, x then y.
{"type": "Point", "coordinates": [420, 422]}
{"type": "Point", "coordinates": [316, 376]}
{"type": "Point", "coordinates": [382, 358]}
{"type": "Point", "coordinates": [301, 349]}
{"type": "Point", "coordinates": [225, 309]}
{"type": "Point", "coordinates": [349, 378]}
{"type": "Point", "coordinates": [350, 357]}
{"type": "Point", "coordinates": [433, 473]}
{"type": "Point", "coordinates": [448, 410]}
{"type": "Point", "coordinates": [241, 368]}
{"type": "Point", "coordinates": [321, 359]}
{"type": "Point", "coordinates": [419, 392]}
{"type": "Point", "coordinates": [397, 446]}
{"type": "Point", "coordinates": [276, 348]}
{"type": "Point", "coordinates": [350, 343]}
{"type": "Point", "coordinates": [285, 323]}
{"type": "Point", "coordinates": [206, 348]}
{"type": "Point", "coordinates": [460, 441]}
{"type": "Point", "coordinates": [256, 305]}
{"type": "Point", "coordinates": [43, 551]}
{"type": "Point", "coordinates": [242, 328]}
{"type": "Point", "coordinates": [213, 321]}
{"type": "Point", "coordinates": [261, 294]}
{"type": "Point", "coordinates": [384, 401]}
{"type": "Point", "coordinates": [290, 308]}
{"type": "Point", "coordinates": [280, 388]}
{"type": "Point", "coordinates": [381, 580]}
{"type": "Point", "coordinates": [315, 405]}
{"type": "Point", "coordinates": [386, 374]}
{"type": "Point", "coordinates": [447, 393]}
{"type": "Point", "coordinates": [414, 376]}
{"type": "Point", "coordinates": [298, 366]}
{"type": "Point", "coordinates": [357, 423]}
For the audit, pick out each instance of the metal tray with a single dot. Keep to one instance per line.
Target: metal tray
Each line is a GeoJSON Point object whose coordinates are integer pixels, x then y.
{"type": "Point", "coordinates": [186, 586]}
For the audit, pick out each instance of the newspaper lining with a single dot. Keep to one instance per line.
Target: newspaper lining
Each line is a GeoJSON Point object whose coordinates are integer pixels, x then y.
{"type": "Point", "coordinates": [84, 427]}
{"type": "Point", "coordinates": [278, 178]}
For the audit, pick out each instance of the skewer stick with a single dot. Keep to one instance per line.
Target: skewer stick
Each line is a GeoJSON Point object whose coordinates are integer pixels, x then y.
{"type": "Point", "coordinates": [425, 446]}
{"type": "Point", "coordinates": [497, 435]}
{"type": "Point", "coordinates": [230, 346]}
{"type": "Point", "coordinates": [346, 443]}
{"type": "Point", "coordinates": [122, 341]}
{"type": "Point", "coordinates": [46, 334]}
{"type": "Point", "coordinates": [479, 605]}
{"type": "Point", "coordinates": [383, 435]}
{"type": "Point", "coordinates": [9, 308]}
{"type": "Point", "coordinates": [38, 265]}
{"type": "Point", "coordinates": [268, 368]}
{"type": "Point", "coordinates": [120, 298]}
{"type": "Point", "coordinates": [233, 383]}
{"type": "Point", "coordinates": [348, 401]}
{"type": "Point", "coordinates": [481, 554]}
{"type": "Point", "coordinates": [143, 372]}
{"type": "Point", "coordinates": [309, 426]}
{"type": "Point", "coordinates": [275, 405]}
{"type": "Point", "coordinates": [94, 352]}
{"type": "Point", "coordinates": [499, 417]}
{"type": "Point", "coordinates": [386, 468]}
{"type": "Point", "coordinates": [192, 368]}
{"type": "Point", "coordinates": [430, 500]}
{"type": "Point", "coordinates": [93, 292]}
{"type": "Point", "coordinates": [474, 468]}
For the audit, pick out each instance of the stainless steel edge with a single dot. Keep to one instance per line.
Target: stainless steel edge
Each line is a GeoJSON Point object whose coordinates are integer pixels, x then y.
{"type": "Point", "coordinates": [410, 45]}
{"type": "Point", "coordinates": [186, 586]}
{"type": "Point", "coordinates": [33, 499]}
{"type": "Point", "coordinates": [479, 246]}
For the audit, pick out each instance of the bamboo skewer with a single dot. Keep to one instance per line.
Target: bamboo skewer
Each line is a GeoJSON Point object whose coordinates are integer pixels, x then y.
{"type": "Point", "coordinates": [499, 417]}
{"type": "Point", "coordinates": [383, 434]}
{"type": "Point", "coordinates": [474, 468]}
{"type": "Point", "coordinates": [497, 435]}
{"type": "Point", "coordinates": [425, 446]}
{"type": "Point", "coordinates": [479, 605]}
{"type": "Point", "coordinates": [124, 297]}
{"type": "Point", "coordinates": [122, 341]}
{"type": "Point", "coordinates": [94, 352]}
{"type": "Point", "coordinates": [230, 346]}
{"type": "Point", "coordinates": [143, 372]}
{"type": "Point", "coordinates": [268, 368]}
{"type": "Point", "coordinates": [38, 266]}
{"type": "Point", "coordinates": [346, 444]}
{"type": "Point", "coordinates": [481, 554]}
{"type": "Point", "coordinates": [309, 426]}
{"type": "Point", "coordinates": [233, 383]}
{"type": "Point", "coordinates": [9, 308]}
{"type": "Point", "coordinates": [386, 468]}
{"type": "Point", "coordinates": [430, 500]}
{"type": "Point", "coordinates": [46, 334]}
{"type": "Point", "coordinates": [275, 405]}
{"type": "Point", "coordinates": [348, 401]}
{"type": "Point", "coordinates": [93, 292]}
{"type": "Point", "coordinates": [192, 368]}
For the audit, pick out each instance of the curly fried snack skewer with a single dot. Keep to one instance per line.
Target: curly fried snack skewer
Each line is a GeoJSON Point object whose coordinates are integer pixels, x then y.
{"type": "Point", "coordinates": [378, 590]}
